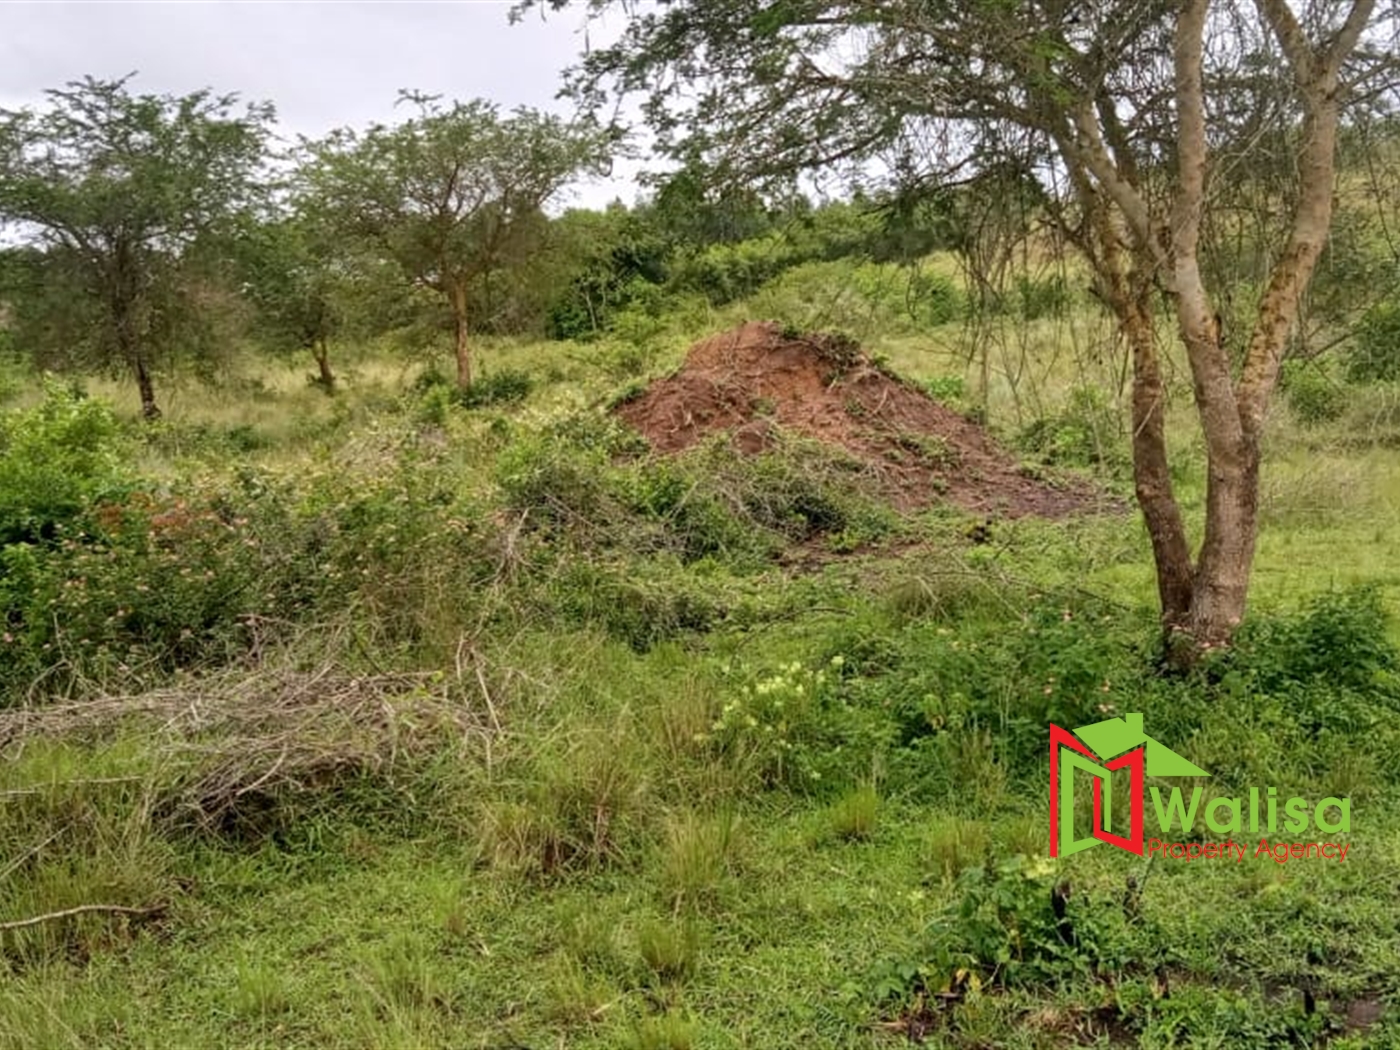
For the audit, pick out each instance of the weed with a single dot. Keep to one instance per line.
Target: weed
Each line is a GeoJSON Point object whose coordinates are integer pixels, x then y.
{"type": "Point", "coordinates": [259, 991]}
{"type": "Point", "coordinates": [853, 815]}
{"type": "Point", "coordinates": [670, 950]}
{"type": "Point", "coordinates": [400, 978]}
{"type": "Point", "coordinates": [507, 386]}
{"type": "Point", "coordinates": [580, 811]}
{"type": "Point", "coordinates": [1376, 354]}
{"type": "Point", "coordinates": [1311, 394]}
{"type": "Point", "coordinates": [698, 855]}
{"type": "Point", "coordinates": [955, 844]}
{"type": "Point", "coordinates": [670, 1032]}
{"type": "Point", "coordinates": [576, 996]}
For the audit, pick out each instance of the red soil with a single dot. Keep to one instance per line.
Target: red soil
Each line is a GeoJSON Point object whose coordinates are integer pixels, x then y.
{"type": "Point", "coordinates": [917, 452]}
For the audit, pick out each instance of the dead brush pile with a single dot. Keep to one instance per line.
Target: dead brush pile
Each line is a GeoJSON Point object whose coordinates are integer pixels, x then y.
{"type": "Point", "coordinates": [232, 753]}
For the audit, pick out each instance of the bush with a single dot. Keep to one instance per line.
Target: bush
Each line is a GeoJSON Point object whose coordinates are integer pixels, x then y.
{"type": "Point", "coordinates": [153, 585]}
{"type": "Point", "coordinates": [1035, 299]}
{"type": "Point", "coordinates": [1340, 639]}
{"type": "Point", "coordinates": [437, 392]}
{"type": "Point", "coordinates": [1085, 433]}
{"type": "Point", "coordinates": [1376, 355]}
{"type": "Point", "coordinates": [57, 461]}
{"type": "Point", "coordinates": [1311, 394]}
{"type": "Point", "coordinates": [509, 386]}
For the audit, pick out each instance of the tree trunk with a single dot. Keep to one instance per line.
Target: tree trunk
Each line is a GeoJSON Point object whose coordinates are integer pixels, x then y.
{"type": "Point", "coordinates": [150, 411]}
{"type": "Point", "coordinates": [1227, 553]}
{"type": "Point", "coordinates": [1152, 479]}
{"type": "Point", "coordinates": [326, 378]}
{"type": "Point", "coordinates": [462, 344]}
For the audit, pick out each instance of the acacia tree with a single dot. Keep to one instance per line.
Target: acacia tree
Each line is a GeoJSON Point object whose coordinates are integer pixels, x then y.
{"type": "Point", "coordinates": [297, 281]}
{"type": "Point", "coordinates": [1129, 113]}
{"type": "Point", "coordinates": [450, 194]}
{"type": "Point", "coordinates": [121, 190]}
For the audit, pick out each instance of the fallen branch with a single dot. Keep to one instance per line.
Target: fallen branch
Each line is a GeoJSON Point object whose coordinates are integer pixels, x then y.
{"type": "Point", "coordinates": [81, 909]}
{"type": "Point", "coordinates": [16, 792]}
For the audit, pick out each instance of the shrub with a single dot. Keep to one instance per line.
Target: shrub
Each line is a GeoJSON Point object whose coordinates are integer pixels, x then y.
{"type": "Point", "coordinates": [1086, 432]}
{"type": "Point", "coordinates": [552, 481]}
{"type": "Point", "coordinates": [933, 299]}
{"type": "Point", "coordinates": [950, 390]}
{"type": "Point", "coordinates": [57, 461]}
{"type": "Point", "coordinates": [1311, 394]}
{"type": "Point", "coordinates": [1340, 639]}
{"type": "Point", "coordinates": [1375, 357]}
{"type": "Point", "coordinates": [152, 585]}
{"type": "Point", "coordinates": [508, 386]}
{"type": "Point", "coordinates": [633, 602]}
{"type": "Point", "coordinates": [1037, 298]}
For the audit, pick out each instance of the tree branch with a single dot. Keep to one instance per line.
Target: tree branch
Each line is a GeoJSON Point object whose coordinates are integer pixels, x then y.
{"type": "Point", "coordinates": [1291, 38]}
{"type": "Point", "coordinates": [81, 909]}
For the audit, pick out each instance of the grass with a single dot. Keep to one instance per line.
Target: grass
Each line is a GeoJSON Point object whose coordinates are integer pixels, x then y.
{"type": "Point", "coordinates": [635, 797]}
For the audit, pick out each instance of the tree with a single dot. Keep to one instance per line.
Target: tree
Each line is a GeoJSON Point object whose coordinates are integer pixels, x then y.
{"type": "Point", "coordinates": [123, 192]}
{"type": "Point", "coordinates": [451, 195]}
{"type": "Point", "coordinates": [1131, 114]}
{"type": "Point", "coordinates": [296, 281]}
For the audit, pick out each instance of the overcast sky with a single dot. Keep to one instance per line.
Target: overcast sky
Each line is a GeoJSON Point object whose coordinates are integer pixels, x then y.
{"type": "Point", "coordinates": [325, 64]}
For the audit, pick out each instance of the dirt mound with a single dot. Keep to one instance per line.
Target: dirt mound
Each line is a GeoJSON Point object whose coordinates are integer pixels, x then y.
{"type": "Point", "coordinates": [753, 378]}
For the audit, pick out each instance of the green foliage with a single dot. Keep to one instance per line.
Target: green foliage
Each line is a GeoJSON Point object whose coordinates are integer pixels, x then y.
{"type": "Point", "coordinates": [641, 605]}
{"type": "Point", "coordinates": [1375, 357]}
{"type": "Point", "coordinates": [304, 283]}
{"type": "Point", "coordinates": [552, 481]}
{"type": "Point", "coordinates": [950, 390]}
{"type": "Point", "coordinates": [726, 272]}
{"type": "Point", "coordinates": [1312, 395]}
{"type": "Point", "coordinates": [1086, 432]}
{"type": "Point", "coordinates": [57, 462]}
{"type": "Point", "coordinates": [369, 188]}
{"type": "Point", "coordinates": [141, 586]}
{"type": "Point", "coordinates": [1340, 639]}
{"type": "Point", "coordinates": [854, 814]}
{"type": "Point", "coordinates": [148, 187]}
{"type": "Point", "coordinates": [1002, 928]}
{"type": "Point", "coordinates": [505, 386]}
{"type": "Point", "coordinates": [1035, 298]}
{"type": "Point", "coordinates": [615, 258]}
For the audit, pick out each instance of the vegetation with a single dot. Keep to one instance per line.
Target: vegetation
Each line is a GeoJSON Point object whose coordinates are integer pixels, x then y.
{"type": "Point", "coordinates": [1008, 93]}
{"type": "Point", "coordinates": [452, 195]}
{"type": "Point", "coordinates": [427, 715]}
{"type": "Point", "coordinates": [130, 196]}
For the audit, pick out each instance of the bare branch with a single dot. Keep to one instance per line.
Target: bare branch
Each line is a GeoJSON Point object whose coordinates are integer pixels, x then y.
{"type": "Point", "coordinates": [81, 909]}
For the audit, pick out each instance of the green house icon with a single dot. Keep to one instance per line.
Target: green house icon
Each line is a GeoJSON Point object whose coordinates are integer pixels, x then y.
{"type": "Point", "coordinates": [1117, 736]}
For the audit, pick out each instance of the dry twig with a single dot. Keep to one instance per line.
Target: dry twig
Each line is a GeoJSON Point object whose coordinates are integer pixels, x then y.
{"type": "Point", "coordinates": [81, 909]}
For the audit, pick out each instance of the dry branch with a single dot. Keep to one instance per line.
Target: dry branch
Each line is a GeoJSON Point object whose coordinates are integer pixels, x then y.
{"type": "Point", "coordinates": [81, 909]}
{"type": "Point", "coordinates": [227, 740]}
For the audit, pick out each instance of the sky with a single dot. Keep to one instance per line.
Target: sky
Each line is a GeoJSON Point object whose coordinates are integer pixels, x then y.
{"type": "Point", "coordinates": [323, 63]}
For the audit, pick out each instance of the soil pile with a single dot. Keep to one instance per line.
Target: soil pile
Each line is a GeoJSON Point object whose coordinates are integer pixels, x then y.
{"type": "Point", "coordinates": [757, 379]}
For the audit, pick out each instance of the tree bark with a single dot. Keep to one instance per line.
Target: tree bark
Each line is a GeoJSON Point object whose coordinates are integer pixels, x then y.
{"type": "Point", "coordinates": [1125, 287]}
{"type": "Point", "coordinates": [1152, 479]}
{"type": "Point", "coordinates": [129, 346]}
{"type": "Point", "coordinates": [457, 293]}
{"type": "Point", "coordinates": [1221, 581]}
{"type": "Point", "coordinates": [150, 411]}
{"type": "Point", "coordinates": [325, 376]}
